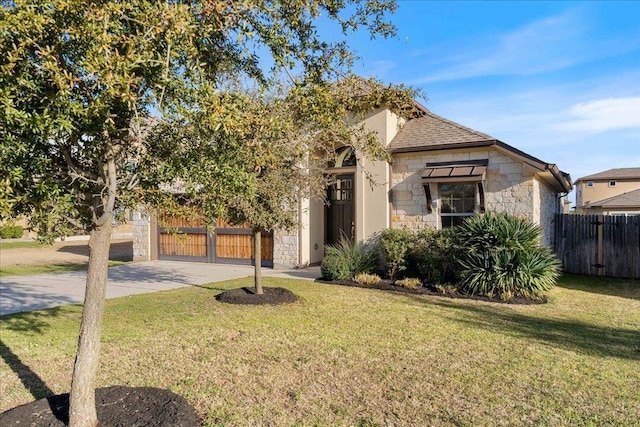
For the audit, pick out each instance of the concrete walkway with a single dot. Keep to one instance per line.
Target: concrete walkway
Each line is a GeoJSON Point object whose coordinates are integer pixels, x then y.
{"type": "Point", "coordinates": [26, 293]}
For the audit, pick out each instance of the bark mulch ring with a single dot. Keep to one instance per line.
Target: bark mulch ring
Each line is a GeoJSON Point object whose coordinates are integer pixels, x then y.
{"type": "Point", "coordinates": [116, 407]}
{"type": "Point", "coordinates": [387, 285]}
{"type": "Point", "coordinates": [271, 296]}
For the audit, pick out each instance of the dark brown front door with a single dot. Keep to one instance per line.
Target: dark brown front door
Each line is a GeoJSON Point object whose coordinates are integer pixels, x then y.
{"type": "Point", "coordinates": [340, 212]}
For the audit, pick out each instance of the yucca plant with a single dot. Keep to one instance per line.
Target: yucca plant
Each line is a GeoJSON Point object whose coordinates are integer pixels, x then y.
{"type": "Point", "coordinates": [503, 258]}
{"type": "Point", "coordinates": [346, 259]}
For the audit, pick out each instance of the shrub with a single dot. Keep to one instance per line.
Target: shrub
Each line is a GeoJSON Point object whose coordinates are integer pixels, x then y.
{"type": "Point", "coordinates": [433, 256]}
{"type": "Point", "coordinates": [394, 245]}
{"type": "Point", "coordinates": [346, 259]}
{"type": "Point", "coordinates": [446, 289]}
{"type": "Point", "coordinates": [502, 257]}
{"type": "Point", "coordinates": [409, 283]}
{"type": "Point", "coordinates": [367, 279]}
{"type": "Point", "coordinates": [11, 232]}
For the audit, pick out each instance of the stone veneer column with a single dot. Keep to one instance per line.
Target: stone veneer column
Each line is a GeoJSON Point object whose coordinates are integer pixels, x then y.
{"type": "Point", "coordinates": [285, 248]}
{"type": "Point", "coordinates": [141, 236]}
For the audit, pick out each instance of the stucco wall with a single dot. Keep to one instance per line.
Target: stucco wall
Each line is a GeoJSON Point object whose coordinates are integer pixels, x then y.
{"type": "Point", "coordinates": [601, 190]}
{"type": "Point", "coordinates": [372, 193]}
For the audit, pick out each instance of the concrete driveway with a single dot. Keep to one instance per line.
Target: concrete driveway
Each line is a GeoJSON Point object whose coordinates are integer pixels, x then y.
{"type": "Point", "coordinates": [26, 293]}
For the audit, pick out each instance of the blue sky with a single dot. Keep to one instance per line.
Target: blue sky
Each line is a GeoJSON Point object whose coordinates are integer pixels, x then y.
{"type": "Point", "coordinates": [558, 80]}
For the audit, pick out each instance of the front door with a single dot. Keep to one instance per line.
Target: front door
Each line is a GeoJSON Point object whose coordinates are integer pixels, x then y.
{"type": "Point", "coordinates": [340, 212]}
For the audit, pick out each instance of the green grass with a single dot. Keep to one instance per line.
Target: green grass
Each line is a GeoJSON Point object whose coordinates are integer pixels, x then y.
{"type": "Point", "coordinates": [17, 245]}
{"type": "Point", "coordinates": [350, 356]}
{"type": "Point", "coordinates": [26, 270]}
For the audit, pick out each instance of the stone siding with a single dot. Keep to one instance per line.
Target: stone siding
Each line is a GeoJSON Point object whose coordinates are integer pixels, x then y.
{"type": "Point", "coordinates": [505, 187]}
{"type": "Point", "coordinates": [141, 236]}
{"type": "Point", "coordinates": [548, 206]}
{"type": "Point", "coordinates": [285, 248]}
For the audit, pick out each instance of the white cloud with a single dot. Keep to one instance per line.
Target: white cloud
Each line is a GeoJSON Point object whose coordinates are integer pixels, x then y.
{"type": "Point", "coordinates": [544, 45]}
{"type": "Point", "coordinates": [602, 115]}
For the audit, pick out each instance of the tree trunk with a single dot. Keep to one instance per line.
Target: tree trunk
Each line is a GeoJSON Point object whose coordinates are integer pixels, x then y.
{"type": "Point", "coordinates": [82, 410]}
{"type": "Point", "coordinates": [257, 261]}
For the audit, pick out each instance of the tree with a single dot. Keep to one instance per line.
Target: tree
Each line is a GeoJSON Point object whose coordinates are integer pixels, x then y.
{"type": "Point", "coordinates": [278, 149]}
{"type": "Point", "coordinates": [78, 81]}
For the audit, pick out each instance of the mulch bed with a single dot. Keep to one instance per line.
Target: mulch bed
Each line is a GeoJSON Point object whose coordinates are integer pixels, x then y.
{"type": "Point", "coordinates": [272, 296]}
{"type": "Point", "coordinates": [116, 407]}
{"type": "Point", "coordinates": [387, 285]}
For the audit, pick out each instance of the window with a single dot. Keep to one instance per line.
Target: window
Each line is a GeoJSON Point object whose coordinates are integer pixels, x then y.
{"type": "Point", "coordinates": [589, 183]}
{"type": "Point", "coordinates": [345, 157]}
{"type": "Point", "coordinates": [461, 189]}
{"type": "Point", "coordinates": [457, 201]}
{"type": "Point", "coordinates": [612, 183]}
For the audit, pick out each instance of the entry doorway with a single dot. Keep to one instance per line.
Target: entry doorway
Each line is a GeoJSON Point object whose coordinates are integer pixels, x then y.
{"type": "Point", "coordinates": [340, 210]}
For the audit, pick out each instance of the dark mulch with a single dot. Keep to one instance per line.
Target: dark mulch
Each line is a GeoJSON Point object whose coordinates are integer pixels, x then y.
{"type": "Point", "coordinates": [116, 407]}
{"type": "Point", "coordinates": [271, 296]}
{"type": "Point", "coordinates": [387, 285]}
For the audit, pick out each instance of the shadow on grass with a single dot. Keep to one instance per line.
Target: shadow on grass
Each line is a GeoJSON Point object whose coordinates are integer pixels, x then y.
{"type": "Point", "coordinates": [565, 334]}
{"type": "Point", "coordinates": [624, 288]}
{"type": "Point", "coordinates": [29, 322]}
{"type": "Point", "coordinates": [31, 380]}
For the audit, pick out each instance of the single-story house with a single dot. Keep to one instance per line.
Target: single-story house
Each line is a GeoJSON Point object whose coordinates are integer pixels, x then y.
{"type": "Point", "coordinates": [440, 173]}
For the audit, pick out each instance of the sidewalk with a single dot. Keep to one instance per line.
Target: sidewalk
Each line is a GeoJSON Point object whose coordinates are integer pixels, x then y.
{"type": "Point", "coordinates": [26, 293]}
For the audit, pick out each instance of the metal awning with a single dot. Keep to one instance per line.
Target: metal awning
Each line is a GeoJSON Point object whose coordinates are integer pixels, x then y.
{"type": "Point", "coordinates": [455, 171]}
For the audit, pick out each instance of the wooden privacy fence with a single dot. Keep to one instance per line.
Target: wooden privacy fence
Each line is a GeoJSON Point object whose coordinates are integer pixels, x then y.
{"type": "Point", "coordinates": [599, 245]}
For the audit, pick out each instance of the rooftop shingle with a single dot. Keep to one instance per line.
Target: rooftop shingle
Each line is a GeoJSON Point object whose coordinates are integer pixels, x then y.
{"type": "Point", "coordinates": [432, 130]}
{"type": "Point", "coordinates": [630, 199]}
{"type": "Point", "coordinates": [620, 173]}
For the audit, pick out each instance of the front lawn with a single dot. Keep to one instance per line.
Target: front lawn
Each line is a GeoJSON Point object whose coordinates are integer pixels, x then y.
{"type": "Point", "coordinates": [351, 356]}
{"type": "Point", "coordinates": [27, 270]}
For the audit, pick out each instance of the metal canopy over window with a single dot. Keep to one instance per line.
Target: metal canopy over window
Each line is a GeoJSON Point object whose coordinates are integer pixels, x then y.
{"type": "Point", "coordinates": [472, 170]}
{"type": "Point", "coordinates": [450, 172]}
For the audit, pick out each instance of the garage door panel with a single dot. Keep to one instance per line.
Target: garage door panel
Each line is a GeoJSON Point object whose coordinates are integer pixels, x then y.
{"type": "Point", "coordinates": [182, 244]}
{"type": "Point", "coordinates": [234, 246]}
{"type": "Point", "coordinates": [189, 240]}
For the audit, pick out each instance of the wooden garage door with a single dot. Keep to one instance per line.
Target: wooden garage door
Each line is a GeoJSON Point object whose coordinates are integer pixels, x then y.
{"type": "Point", "coordinates": [182, 239]}
{"type": "Point", "coordinates": [234, 244]}
{"type": "Point", "coordinates": [188, 240]}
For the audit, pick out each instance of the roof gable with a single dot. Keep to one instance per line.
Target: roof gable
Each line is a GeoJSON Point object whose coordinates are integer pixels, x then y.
{"type": "Point", "coordinates": [619, 173]}
{"type": "Point", "coordinates": [433, 131]}
{"type": "Point", "coordinates": [630, 199]}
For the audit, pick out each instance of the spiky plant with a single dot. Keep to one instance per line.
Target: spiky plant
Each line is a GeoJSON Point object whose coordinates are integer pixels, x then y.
{"type": "Point", "coordinates": [346, 259]}
{"type": "Point", "coordinates": [503, 258]}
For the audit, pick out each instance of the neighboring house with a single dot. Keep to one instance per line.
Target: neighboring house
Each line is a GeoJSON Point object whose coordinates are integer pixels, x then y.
{"type": "Point", "coordinates": [440, 173]}
{"type": "Point", "coordinates": [612, 192]}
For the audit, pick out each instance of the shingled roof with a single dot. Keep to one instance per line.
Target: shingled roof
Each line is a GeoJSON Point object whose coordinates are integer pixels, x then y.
{"type": "Point", "coordinates": [434, 132]}
{"type": "Point", "coordinates": [630, 199]}
{"type": "Point", "coordinates": [431, 132]}
{"type": "Point", "coordinates": [619, 173]}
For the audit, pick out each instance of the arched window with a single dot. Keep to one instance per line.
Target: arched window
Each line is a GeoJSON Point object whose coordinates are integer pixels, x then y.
{"type": "Point", "coordinates": [346, 157]}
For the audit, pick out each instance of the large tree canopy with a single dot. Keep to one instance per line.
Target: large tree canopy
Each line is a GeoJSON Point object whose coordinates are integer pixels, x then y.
{"type": "Point", "coordinates": [80, 79]}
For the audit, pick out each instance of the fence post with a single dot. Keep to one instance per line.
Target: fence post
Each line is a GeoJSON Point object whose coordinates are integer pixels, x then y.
{"type": "Point", "coordinates": [600, 222]}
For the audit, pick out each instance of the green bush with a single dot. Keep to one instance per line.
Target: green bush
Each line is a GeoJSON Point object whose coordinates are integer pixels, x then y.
{"type": "Point", "coordinates": [501, 256]}
{"type": "Point", "coordinates": [394, 245]}
{"type": "Point", "coordinates": [11, 232]}
{"type": "Point", "coordinates": [433, 257]}
{"type": "Point", "coordinates": [346, 259]}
